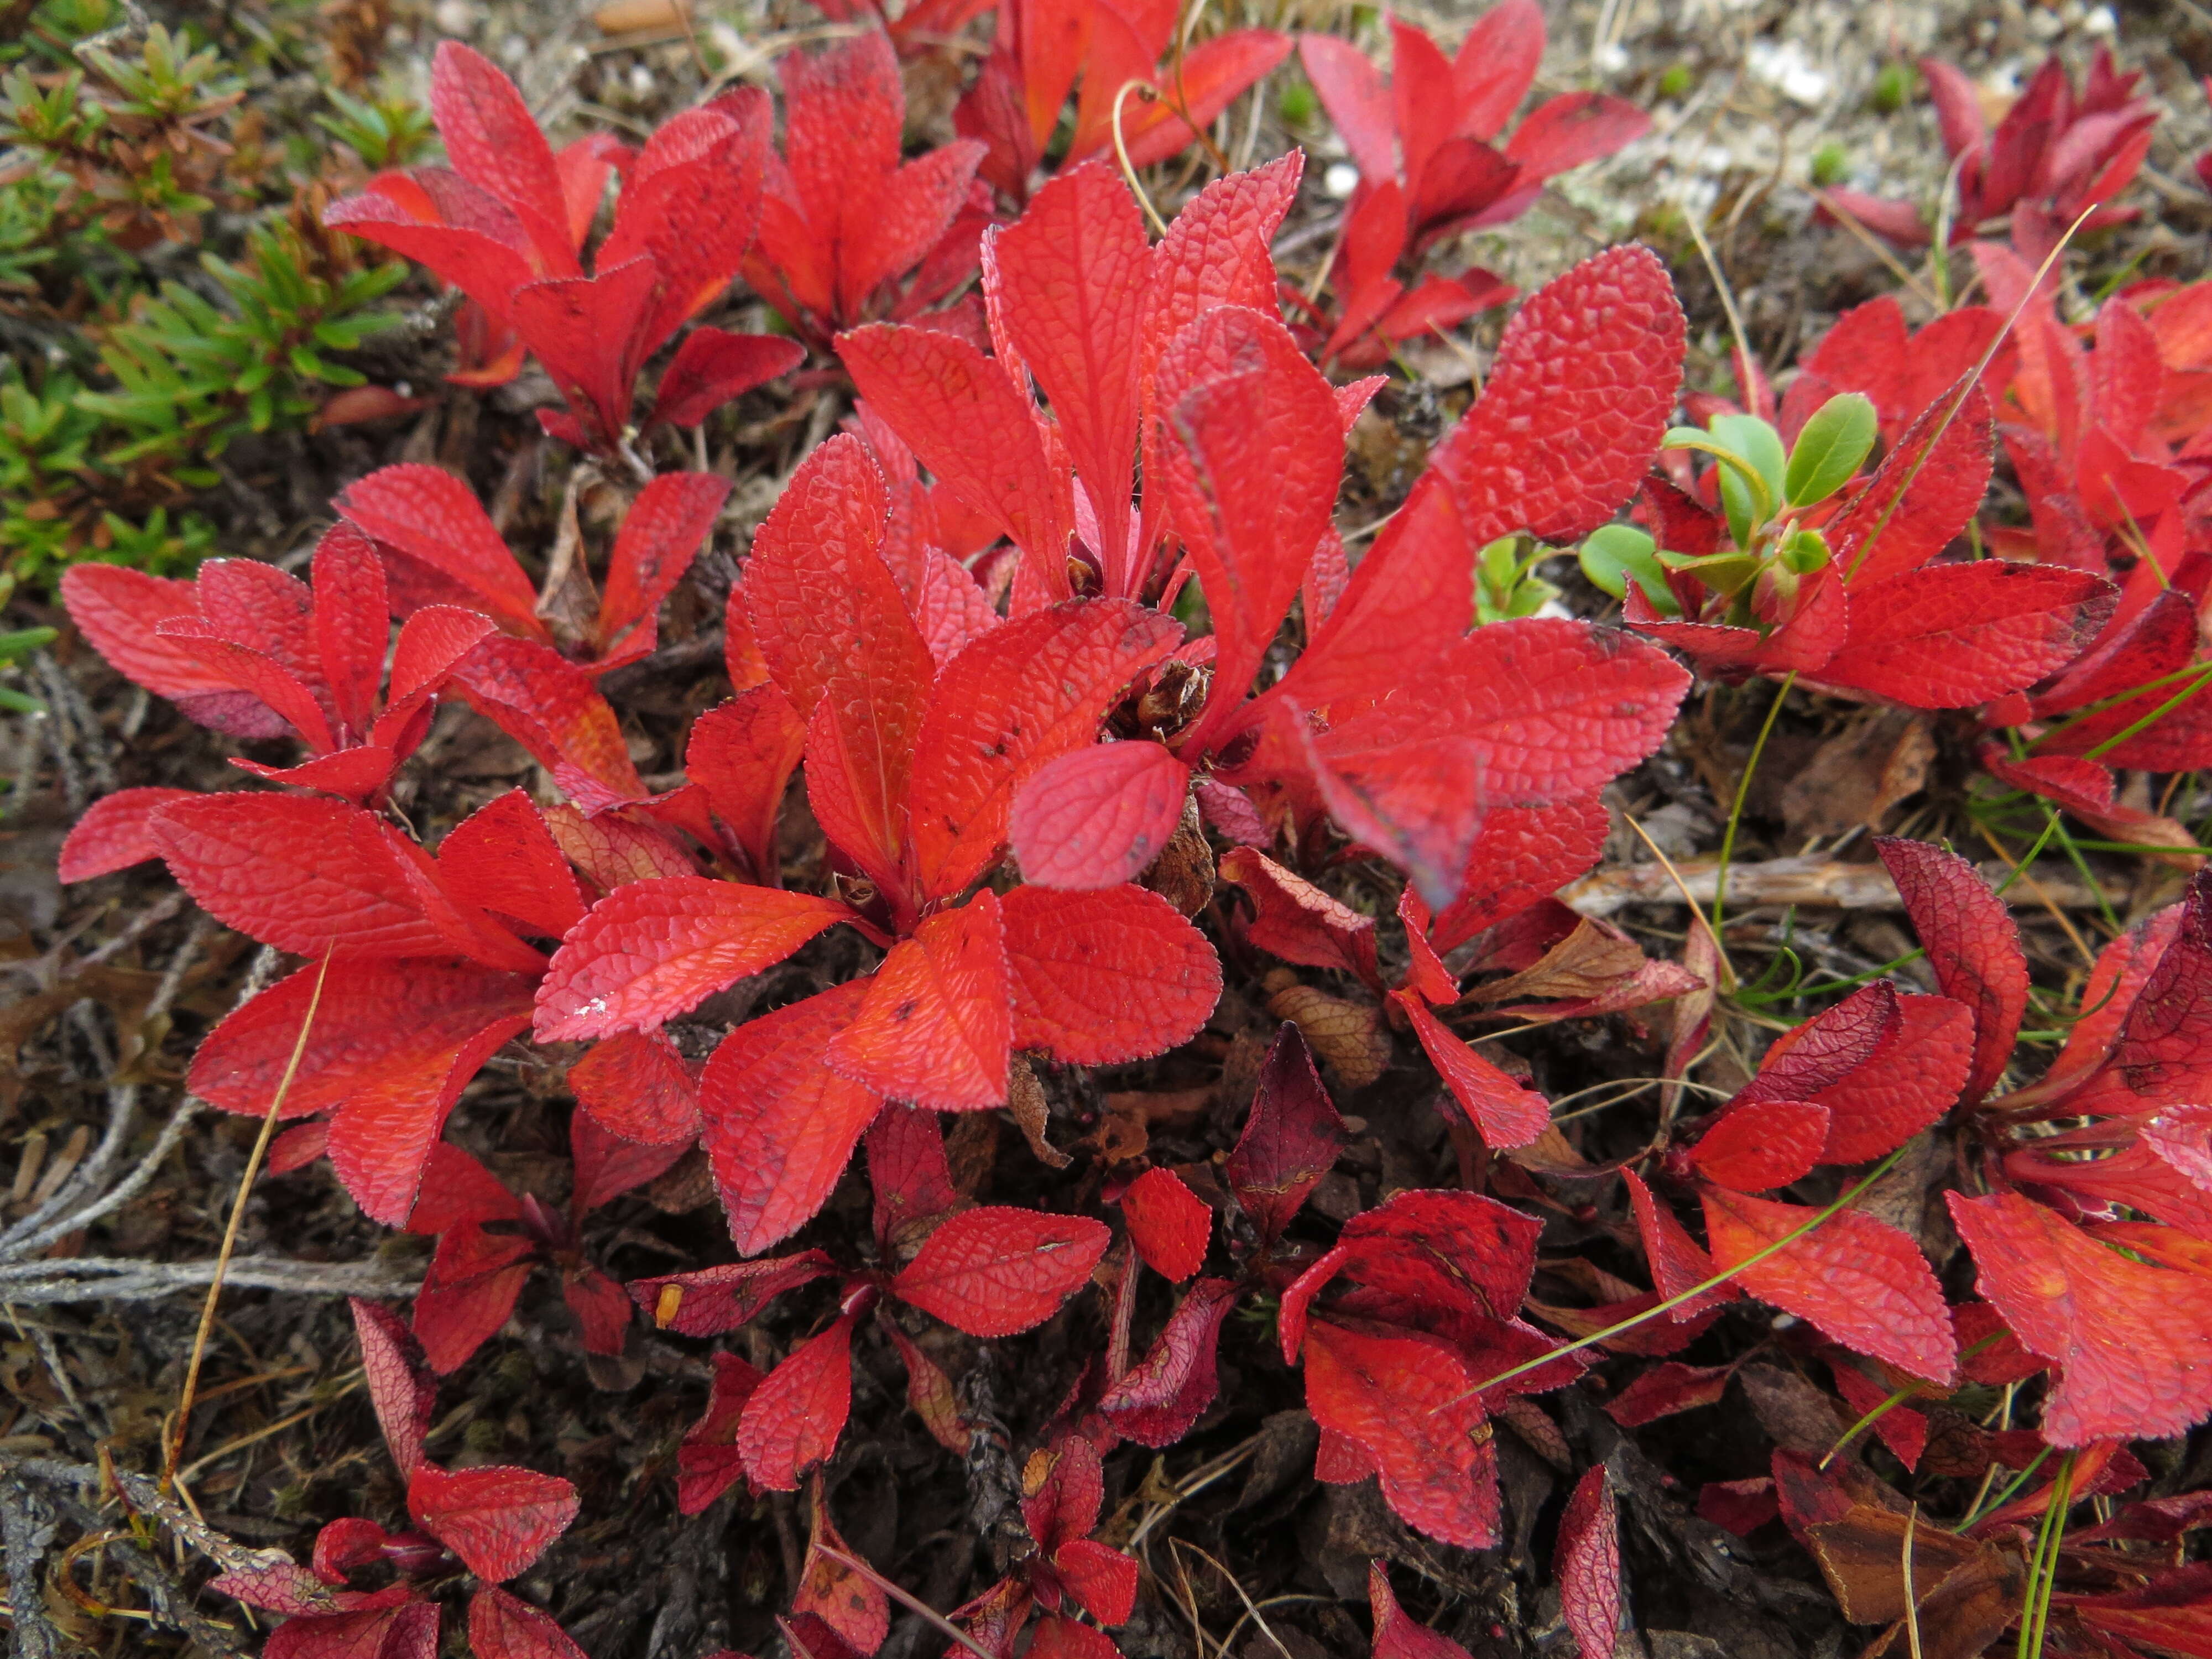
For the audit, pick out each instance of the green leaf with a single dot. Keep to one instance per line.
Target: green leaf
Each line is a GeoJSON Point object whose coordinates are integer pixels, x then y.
{"type": "Point", "coordinates": [1617, 554]}
{"type": "Point", "coordinates": [1830, 449]}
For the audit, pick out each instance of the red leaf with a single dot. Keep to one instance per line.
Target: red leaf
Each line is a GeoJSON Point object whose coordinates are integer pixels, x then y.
{"type": "Point", "coordinates": [1577, 398]}
{"type": "Point", "coordinates": [497, 1519]}
{"type": "Point", "coordinates": [2133, 1342]}
{"type": "Point", "coordinates": [1253, 464]}
{"type": "Point", "coordinates": [912, 1179]}
{"type": "Point", "coordinates": [1432, 1252]}
{"type": "Point", "coordinates": [996, 1271]}
{"type": "Point", "coordinates": [743, 753]}
{"type": "Point", "coordinates": [1973, 947]}
{"type": "Point", "coordinates": [836, 631]}
{"type": "Point", "coordinates": [935, 1025]}
{"type": "Point", "coordinates": [1506, 1113]}
{"type": "Point", "coordinates": [503, 858]}
{"type": "Point", "coordinates": [781, 1126]}
{"type": "Point", "coordinates": [1298, 922]}
{"type": "Point", "coordinates": [1573, 128]}
{"type": "Point", "coordinates": [717, 1299]}
{"type": "Point", "coordinates": [1589, 1565]}
{"type": "Point", "coordinates": [1358, 101]}
{"type": "Point", "coordinates": [714, 367]}
{"type": "Point", "coordinates": [1098, 817]}
{"type": "Point", "coordinates": [1521, 855]}
{"type": "Point", "coordinates": [637, 1086]}
{"type": "Point", "coordinates": [353, 625]}
{"type": "Point", "coordinates": [305, 875]}
{"type": "Point", "coordinates": [608, 1165]}
{"type": "Point", "coordinates": [1209, 77]}
{"type": "Point", "coordinates": [116, 832]}
{"type": "Point", "coordinates": [494, 143]}
{"type": "Point", "coordinates": [1398, 1635]}
{"type": "Point", "coordinates": [1106, 977]}
{"type": "Point", "coordinates": [457, 1188]}
{"type": "Point", "coordinates": [435, 524]}
{"type": "Point", "coordinates": [665, 527]}
{"type": "Point", "coordinates": [1927, 488]}
{"type": "Point", "coordinates": [1058, 1636]}
{"type": "Point", "coordinates": [1170, 1224]}
{"type": "Point", "coordinates": [1667, 1389]}
{"type": "Point", "coordinates": [119, 610]}
{"type": "Point", "coordinates": [707, 1459]}
{"type": "Point", "coordinates": [552, 709]}
{"type": "Point", "coordinates": [1022, 695]}
{"type": "Point", "coordinates": [469, 1292]}
{"type": "Point", "coordinates": [589, 332]}
{"type": "Point", "coordinates": [1101, 1580]}
{"type": "Point", "coordinates": [1828, 1048]}
{"type": "Point", "coordinates": [1762, 1144]}
{"type": "Point", "coordinates": [1159, 1398]}
{"type": "Point", "coordinates": [853, 1606]}
{"type": "Point", "coordinates": [1069, 1494]}
{"type": "Point", "coordinates": [2162, 1054]}
{"type": "Point", "coordinates": [792, 1420]}
{"type": "Point", "coordinates": [501, 1628]}
{"type": "Point", "coordinates": [1908, 1085]}
{"type": "Point", "coordinates": [1956, 634]}
{"type": "Point", "coordinates": [1677, 1263]}
{"type": "Point", "coordinates": [1290, 1141]}
{"type": "Point", "coordinates": [1070, 280]}
{"type": "Point", "coordinates": [654, 949]}
{"type": "Point", "coordinates": [1216, 251]}
{"type": "Point", "coordinates": [1862, 1282]}
{"type": "Point", "coordinates": [1409, 1404]}
{"type": "Point", "coordinates": [400, 1387]}
{"type": "Point", "coordinates": [974, 428]}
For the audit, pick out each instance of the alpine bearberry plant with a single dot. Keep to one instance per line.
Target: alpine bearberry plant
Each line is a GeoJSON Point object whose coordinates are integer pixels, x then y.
{"type": "Point", "coordinates": [1128, 957]}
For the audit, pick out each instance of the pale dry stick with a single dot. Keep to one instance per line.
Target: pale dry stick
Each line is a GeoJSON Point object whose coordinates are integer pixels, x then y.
{"type": "Point", "coordinates": [1271, 1601]}
{"type": "Point", "coordinates": [913, 1604]}
{"type": "Point", "coordinates": [115, 1279]}
{"type": "Point", "coordinates": [176, 1443]}
{"type": "Point", "coordinates": [1806, 884]}
{"type": "Point", "coordinates": [1743, 359]}
{"type": "Point", "coordinates": [1121, 151]}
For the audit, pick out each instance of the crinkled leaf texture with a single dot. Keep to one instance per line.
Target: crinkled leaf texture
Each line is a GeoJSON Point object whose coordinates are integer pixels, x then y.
{"type": "Point", "coordinates": [652, 950]}
{"type": "Point", "coordinates": [2132, 1342]}
{"type": "Point", "coordinates": [997, 1271]}
{"type": "Point", "coordinates": [1860, 1280]}
{"type": "Point", "coordinates": [1097, 818]}
{"type": "Point", "coordinates": [498, 1519]}
{"type": "Point", "coordinates": [1973, 943]}
{"type": "Point", "coordinates": [935, 1023]}
{"type": "Point", "coordinates": [1289, 1140]}
{"type": "Point", "coordinates": [1406, 1402]}
{"type": "Point", "coordinates": [1104, 977]}
{"type": "Point", "coordinates": [1160, 1397]}
{"type": "Point", "coordinates": [1398, 1634]}
{"type": "Point", "coordinates": [1170, 1224]}
{"type": "Point", "coordinates": [1589, 1564]}
{"type": "Point", "coordinates": [793, 1419]}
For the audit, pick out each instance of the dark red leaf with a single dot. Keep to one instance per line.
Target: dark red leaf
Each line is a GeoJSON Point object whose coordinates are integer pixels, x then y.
{"type": "Point", "coordinates": [794, 1416]}
{"type": "Point", "coordinates": [716, 1299]}
{"type": "Point", "coordinates": [1289, 1140]}
{"type": "Point", "coordinates": [1158, 1399]}
{"type": "Point", "coordinates": [501, 1628]}
{"type": "Point", "coordinates": [1973, 947]}
{"type": "Point", "coordinates": [400, 1387]}
{"type": "Point", "coordinates": [1589, 1565]}
{"type": "Point", "coordinates": [498, 1519]}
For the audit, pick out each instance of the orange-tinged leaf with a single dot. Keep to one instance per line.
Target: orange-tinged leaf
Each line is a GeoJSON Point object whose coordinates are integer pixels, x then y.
{"type": "Point", "coordinates": [498, 1519]}
{"type": "Point", "coordinates": [1409, 1402]}
{"type": "Point", "coordinates": [1862, 1282]}
{"type": "Point", "coordinates": [551, 708]}
{"type": "Point", "coordinates": [663, 531]}
{"type": "Point", "coordinates": [779, 1125]}
{"type": "Point", "coordinates": [1909, 1084]}
{"type": "Point", "coordinates": [654, 949]}
{"type": "Point", "coordinates": [793, 1418]}
{"type": "Point", "coordinates": [743, 753]}
{"type": "Point", "coordinates": [1020, 696]}
{"type": "Point", "coordinates": [996, 1271]}
{"type": "Point", "coordinates": [503, 858]}
{"type": "Point", "coordinates": [935, 1023]}
{"type": "Point", "coordinates": [1105, 977]}
{"type": "Point", "coordinates": [1170, 1224]}
{"type": "Point", "coordinates": [1762, 1144]}
{"type": "Point", "coordinates": [853, 1606]}
{"type": "Point", "coordinates": [1506, 1113]}
{"type": "Point", "coordinates": [2133, 1342]}
{"type": "Point", "coordinates": [637, 1086]}
{"type": "Point", "coordinates": [1098, 817]}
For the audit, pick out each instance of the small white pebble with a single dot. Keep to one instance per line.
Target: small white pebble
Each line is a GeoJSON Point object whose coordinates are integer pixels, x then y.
{"type": "Point", "coordinates": [2099, 20]}
{"type": "Point", "coordinates": [1341, 179]}
{"type": "Point", "coordinates": [1612, 58]}
{"type": "Point", "coordinates": [515, 49]}
{"type": "Point", "coordinates": [641, 81]}
{"type": "Point", "coordinates": [455, 17]}
{"type": "Point", "coordinates": [1788, 69]}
